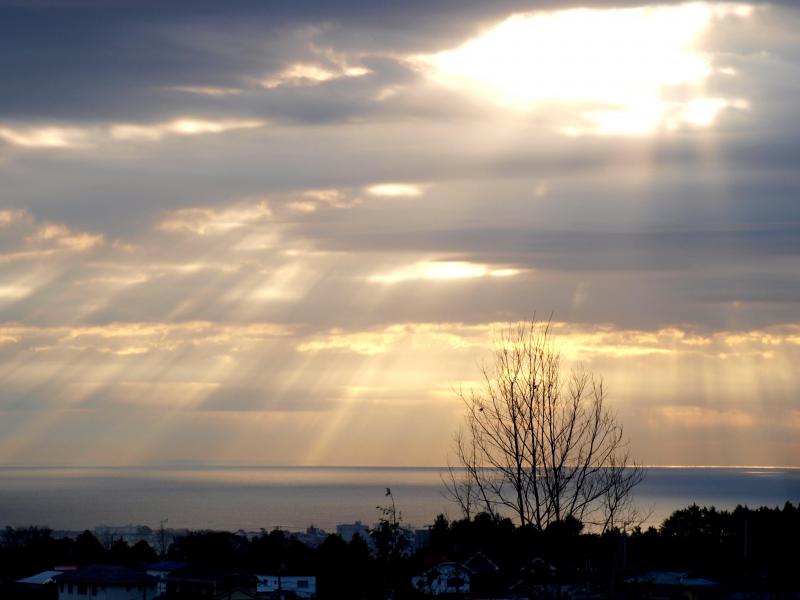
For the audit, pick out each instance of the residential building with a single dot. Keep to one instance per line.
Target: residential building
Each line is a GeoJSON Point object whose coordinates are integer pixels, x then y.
{"type": "Point", "coordinates": [106, 582]}
{"type": "Point", "coordinates": [161, 569]}
{"type": "Point", "coordinates": [304, 586]}
{"type": "Point", "coordinates": [672, 584]}
{"type": "Point", "coordinates": [444, 578]}
{"type": "Point", "coordinates": [40, 586]}
{"type": "Point", "coordinates": [197, 581]}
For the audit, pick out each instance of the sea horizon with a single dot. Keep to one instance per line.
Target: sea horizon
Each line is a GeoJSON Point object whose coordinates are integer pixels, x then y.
{"type": "Point", "coordinates": [254, 497]}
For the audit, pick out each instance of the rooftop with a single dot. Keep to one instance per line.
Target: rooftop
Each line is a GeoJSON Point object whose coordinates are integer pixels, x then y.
{"type": "Point", "coordinates": [42, 578]}
{"type": "Point", "coordinates": [110, 574]}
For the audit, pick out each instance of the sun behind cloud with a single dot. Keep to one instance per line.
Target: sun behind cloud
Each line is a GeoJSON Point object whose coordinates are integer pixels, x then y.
{"type": "Point", "coordinates": [442, 271]}
{"type": "Point", "coordinates": [610, 69]}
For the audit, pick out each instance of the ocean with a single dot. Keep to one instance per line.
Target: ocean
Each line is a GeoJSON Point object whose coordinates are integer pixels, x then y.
{"type": "Point", "coordinates": [252, 498]}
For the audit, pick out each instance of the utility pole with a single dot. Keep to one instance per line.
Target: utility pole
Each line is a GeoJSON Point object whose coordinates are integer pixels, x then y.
{"type": "Point", "coordinates": [162, 537]}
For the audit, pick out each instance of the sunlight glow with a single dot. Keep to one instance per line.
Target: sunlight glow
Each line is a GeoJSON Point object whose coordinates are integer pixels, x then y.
{"type": "Point", "coordinates": [43, 137]}
{"type": "Point", "coordinates": [64, 237]}
{"type": "Point", "coordinates": [210, 220]}
{"type": "Point", "coordinates": [183, 126]}
{"type": "Point", "coordinates": [13, 292]}
{"type": "Point", "coordinates": [394, 189]}
{"type": "Point", "coordinates": [206, 90]}
{"type": "Point", "coordinates": [309, 74]}
{"type": "Point", "coordinates": [611, 68]}
{"type": "Point", "coordinates": [442, 270]}
{"type": "Point", "coordinates": [7, 217]}
{"type": "Point", "coordinates": [705, 417]}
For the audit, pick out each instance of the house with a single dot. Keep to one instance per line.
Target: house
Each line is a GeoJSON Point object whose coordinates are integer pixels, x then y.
{"type": "Point", "coordinates": [444, 578]}
{"type": "Point", "coordinates": [304, 586]}
{"type": "Point", "coordinates": [161, 569]}
{"type": "Point", "coordinates": [540, 579]}
{"type": "Point", "coordinates": [480, 563]}
{"type": "Point", "coordinates": [105, 582]}
{"type": "Point", "coordinates": [487, 579]}
{"type": "Point", "coordinates": [194, 581]}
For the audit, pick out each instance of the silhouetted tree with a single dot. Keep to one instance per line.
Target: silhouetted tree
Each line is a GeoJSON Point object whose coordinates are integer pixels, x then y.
{"type": "Point", "coordinates": [209, 547]}
{"type": "Point", "coordinates": [119, 553]}
{"type": "Point", "coordinates": [88, 549]}
{"type": "Point", "coordinates": [278, 552]}
{"type": "Point", "coordinates": [390, 540]}
{"type": "Point", "coordinates": [141, 552]}
{"type": "Point", "coordinates": [541, 446]}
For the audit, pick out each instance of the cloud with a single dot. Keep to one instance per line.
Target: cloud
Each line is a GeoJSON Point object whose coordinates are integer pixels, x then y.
{"type": "Point", "coordinates": [62, 236]}
{"type": "Point", "coordinates": [211, 220]}
{"type": "Point", "coordinates": [8, 217]}
{"type": "Point", "coordinates": [577, 342]}
{"type": "Point", "coordinates": [421, 335]}
{"type": "Point", "coordinates": [129, 338]}
{"type": "Point", "coordinates": [394, 189]}
{"type": "Point", "coordinates": [101, 135]}
{"type": "Point", "coordinates": [183, 126]}
{"type": "Point", "coordinates": [23, 237]}
{"type": "Point", "coordinates": [207, 90]}
{"type": "Point", "coordinates": [697, 417]}
{"type": "Point", "coordinates": [43, 137]}
{"type": "Point", "coordinates": [308, 74]}
{"type": "Point", "coordinates": [302, 206]}
{"type": "Point", "coordinates": [441, 271]}
{"type": "Point", "coordinates": [332, 197]}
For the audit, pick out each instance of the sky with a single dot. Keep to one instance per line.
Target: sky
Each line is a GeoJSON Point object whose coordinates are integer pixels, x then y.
{"type": "Point", "coordinates": [289, 232]}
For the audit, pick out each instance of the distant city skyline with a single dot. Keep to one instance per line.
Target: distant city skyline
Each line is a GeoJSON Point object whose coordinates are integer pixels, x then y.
{"type": "Point", "coordinates": [288, 233]}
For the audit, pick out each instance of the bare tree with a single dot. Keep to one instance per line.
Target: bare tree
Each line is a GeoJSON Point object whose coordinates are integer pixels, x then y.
{"type": "Point", "coordinates": [466, 486]}
{"type": "Point", "coordinates": [391, 541]}
{"type": "Point", "coordinates": [539, 445]}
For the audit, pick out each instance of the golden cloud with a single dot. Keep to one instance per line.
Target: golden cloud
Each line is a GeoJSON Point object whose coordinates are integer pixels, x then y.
{"type": "Point", "coordinates": [214, 220]}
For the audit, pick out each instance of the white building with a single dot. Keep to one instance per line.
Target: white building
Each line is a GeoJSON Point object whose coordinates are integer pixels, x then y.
{"type": "Point", "coordinates": [105, 582]}
{"type": "Point", "coordinates": [347, 530]}
{"type": "Point", "coordinates": [303, 586]}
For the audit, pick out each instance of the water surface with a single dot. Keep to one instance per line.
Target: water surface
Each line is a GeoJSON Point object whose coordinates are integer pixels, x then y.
{"type": "Point", "coordinates": [252, 498]}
